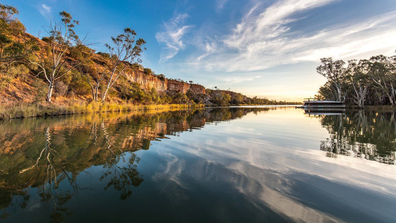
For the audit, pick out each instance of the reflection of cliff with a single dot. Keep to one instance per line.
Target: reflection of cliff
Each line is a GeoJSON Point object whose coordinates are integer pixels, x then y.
{"type": "Point", "coordinates": [42, 153]}
{"type": "Point", "coordinates": [363, 134]}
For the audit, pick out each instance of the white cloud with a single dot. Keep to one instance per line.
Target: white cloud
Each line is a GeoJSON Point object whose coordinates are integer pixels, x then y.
{"type": "Point", "coordinates": [236, 79]}
{"type": "Point", "coordinates": [210, 47]}
{"type": "Point", "coordinates": [220, 4]}
{"type": "Point", "coordinates": [45, 10]}
{"type": "Point", "coordinates": [172, 35]}
{"type": "Point", "coordinates": [264, 39]}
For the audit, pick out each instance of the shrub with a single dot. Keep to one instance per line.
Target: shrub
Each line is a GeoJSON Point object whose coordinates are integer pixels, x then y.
{"type": "Point", "coordinates": [78, 84]}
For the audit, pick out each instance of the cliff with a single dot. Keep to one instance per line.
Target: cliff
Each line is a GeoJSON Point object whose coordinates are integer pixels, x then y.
{"type": "Point", "coordinates": [149, 81]}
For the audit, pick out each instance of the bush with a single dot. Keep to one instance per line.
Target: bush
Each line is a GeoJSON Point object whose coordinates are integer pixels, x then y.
{"type": "Point", "coordinates": [78, 85]}
{"type": "Point", "coordinates": [61, 88]}
{"type": "Point", "coordinates": [180, 98]}
{"type": "Point", "coordinates": [148, 71]}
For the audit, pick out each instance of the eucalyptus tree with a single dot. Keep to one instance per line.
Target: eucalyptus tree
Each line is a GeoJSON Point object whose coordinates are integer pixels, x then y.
{"type": "Point", "coordinates": [123, 51]}
{"type": "Point", "coordinates": [382, 73]}
{"type": "Point", "coordinates": [10, 51]}
{"type": "Point", "coordinates": [334, 71]}
{"type": "Point", "coordinates": [88, 68]}
{"type": "Point", "coordinates": [357, 76]}
{"type": "Point", "coordinates": [327, 92]}
{"type": "Point", "coordinates": [52, 60]}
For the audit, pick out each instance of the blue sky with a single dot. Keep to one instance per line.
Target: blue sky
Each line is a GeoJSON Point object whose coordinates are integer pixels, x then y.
{"type": "Point", "coordinates": [265, 48]}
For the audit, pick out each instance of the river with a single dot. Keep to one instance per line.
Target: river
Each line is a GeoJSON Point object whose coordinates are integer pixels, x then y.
{"type": "Point", "coordinates": [246, 164]}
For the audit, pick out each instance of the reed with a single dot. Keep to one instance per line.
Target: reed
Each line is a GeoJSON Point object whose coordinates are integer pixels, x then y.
{"type": "Point", "coordinates": [12, 111]}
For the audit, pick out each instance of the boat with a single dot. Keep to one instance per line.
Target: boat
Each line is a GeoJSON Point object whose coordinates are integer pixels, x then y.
{"type": "Point", "coordinates": [310, 105]}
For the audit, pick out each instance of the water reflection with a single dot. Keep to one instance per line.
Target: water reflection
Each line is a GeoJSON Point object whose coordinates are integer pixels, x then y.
{"type": "Point", "coordinates": [45, 157]}
{"type": "Point", "coordinates": [362, 134]}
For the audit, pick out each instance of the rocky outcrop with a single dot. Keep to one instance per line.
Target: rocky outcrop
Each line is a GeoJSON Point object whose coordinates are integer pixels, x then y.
{"type": "Point", "coordinates": [149, 81]}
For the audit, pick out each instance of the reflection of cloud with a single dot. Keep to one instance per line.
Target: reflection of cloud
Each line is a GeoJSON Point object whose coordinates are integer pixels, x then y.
{"type": "Point", "coordinates": [45, 10]}
{"type": "Point", "coordinates": [171, 35]}
{"type": "Point", "coordinates": [264, 164]}
{"type": "Point", "coordinates": [265, 187]}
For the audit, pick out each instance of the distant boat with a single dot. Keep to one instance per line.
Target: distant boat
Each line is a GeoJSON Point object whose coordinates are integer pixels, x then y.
{"type": "Point", "coordinates": [310, 104]}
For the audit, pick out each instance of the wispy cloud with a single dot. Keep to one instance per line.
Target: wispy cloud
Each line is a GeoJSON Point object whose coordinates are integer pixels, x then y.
{"type": "Point", "coordinates": [45, 10]}
{"type": "Point", "coordinates": [171, 35]}
{"type": "Point", "coordinates": [264, 38]}
{"type": "Point", "coordinates": [210, 48]}
{"type": "Point", "coordinates": [220, 4]}
{"type": "Point", "coordinates": [237, 79]}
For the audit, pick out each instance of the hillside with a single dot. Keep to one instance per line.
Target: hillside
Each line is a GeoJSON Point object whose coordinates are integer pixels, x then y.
{"type": "Point", "coordinates": [59, 69]}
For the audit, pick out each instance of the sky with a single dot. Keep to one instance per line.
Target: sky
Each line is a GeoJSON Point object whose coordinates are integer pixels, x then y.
{"type": "Point", "coordinates": [264, 48]}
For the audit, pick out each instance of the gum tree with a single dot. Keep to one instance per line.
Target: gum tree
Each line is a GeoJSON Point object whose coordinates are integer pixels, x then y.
{"type": "Point", "coordinates": [52, 60]}
{"type": "Point", "coordinates": [334, 71]}
{"type": "Point", "coordinates": [357, 76]}
{"type": "Point", "coordinates": [123, 51]}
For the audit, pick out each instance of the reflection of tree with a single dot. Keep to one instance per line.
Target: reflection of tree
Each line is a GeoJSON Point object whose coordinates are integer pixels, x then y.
{"type": "Point", "coordinates": [13, 198]}
{"type": "Point", "coordinates": [123, 178]}
{"type": "Point", "coordinates": [363, 134]}
{"type": "Point", "coordinates": [51, 161]}
{"type": "Point", "coordinates": [54, 173]}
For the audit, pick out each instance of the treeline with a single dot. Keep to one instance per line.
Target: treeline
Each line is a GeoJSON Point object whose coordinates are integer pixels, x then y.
{"type": "Point", "coordinates": [359, 82]}
{"type": "Point", "coordinates": [62, 65]}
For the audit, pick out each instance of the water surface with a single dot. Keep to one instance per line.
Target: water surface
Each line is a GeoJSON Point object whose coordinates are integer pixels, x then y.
{"type": "Point", "coordinates": [261, 164]}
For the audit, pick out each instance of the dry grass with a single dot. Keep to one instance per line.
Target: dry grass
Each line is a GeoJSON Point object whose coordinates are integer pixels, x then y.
{"type": "Point", "coordinates": [11, 111]}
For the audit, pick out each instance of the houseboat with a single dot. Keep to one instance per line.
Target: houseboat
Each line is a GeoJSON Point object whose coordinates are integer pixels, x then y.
{"type": "Point", "coordinates": [310, 104]}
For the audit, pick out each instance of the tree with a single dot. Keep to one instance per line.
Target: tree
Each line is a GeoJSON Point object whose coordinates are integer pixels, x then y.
{"type": "Point", "coordinates": [52, 61]}
{"type": "Point", "coordinates": [94, 77]}
{"type": "Point", "coordinates": [382, 73]}
{"type": "Point", "coordinates": [334, 71]}
{"type": "Point", "coordinates": [7, 13]}
{"type": "Point", "coordinates": [357, 75]}
{"type": "Point", "coordinates": [328, 91]}
{"type": "Point", "coordinates": [123, 51]}
{"type": "Point", "coordinates": [10, 51]}
{"type": "Point", "coordinates": [88, 68]}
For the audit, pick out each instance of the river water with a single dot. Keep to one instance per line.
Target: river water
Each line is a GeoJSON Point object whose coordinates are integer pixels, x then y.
{"type": "Point", "coordinates": [250, 164]}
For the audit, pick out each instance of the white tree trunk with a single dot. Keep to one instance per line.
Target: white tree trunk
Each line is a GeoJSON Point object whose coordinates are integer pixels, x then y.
{"type": "Point", "coordinates": [50, 90]}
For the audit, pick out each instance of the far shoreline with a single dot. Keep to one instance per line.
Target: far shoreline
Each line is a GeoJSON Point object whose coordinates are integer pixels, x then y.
{"type": "Point", "coordinates": [22, 111]}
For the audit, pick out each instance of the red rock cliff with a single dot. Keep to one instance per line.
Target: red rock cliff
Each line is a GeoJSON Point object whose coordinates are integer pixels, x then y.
{"type": "Point", "coordinates": [148, 81]}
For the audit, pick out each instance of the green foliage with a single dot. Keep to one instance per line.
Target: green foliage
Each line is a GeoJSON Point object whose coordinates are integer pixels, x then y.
{"type": "Point", "coordinates": [16, 27]}
{"type": "Point", "coordinates": [237, 99]}
{"type": "Point", "coordinates": [104, 55]}
{"type": "Point", "coordinates": [80, 52]}
{"type": "Point", "coordinates": [148, 71]}
{"type": "Point", "coordinates": [180, 98]}
{"type": "Point", "coordinates": [40, 87]}
{"type": "Point", "coordinates": [78, 84]}
{"type": "Point", "coordinates": [362, 82]}
{"type": "Point", "coordinates": [161, 76]}
{"type": "Point", "coordinates": [7, 12]}
{"type": "Point", "coordinates": [9, 73]}
{"type": "Point", "coordinates": [132, 92]}
{"type": "Point", "coordinates": [220, 98]}
{"type": "Point", "coordinates": [14, 49]}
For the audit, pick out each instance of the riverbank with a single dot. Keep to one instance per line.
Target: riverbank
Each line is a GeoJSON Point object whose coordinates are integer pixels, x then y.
{"type": "Point", "coordinates": [14, 111]}
{"type": "Point", "coordinates": [379, 108]}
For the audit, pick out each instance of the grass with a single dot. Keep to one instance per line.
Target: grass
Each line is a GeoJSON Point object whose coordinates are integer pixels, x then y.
{"type": "Point", "coordinates": [13, 111]}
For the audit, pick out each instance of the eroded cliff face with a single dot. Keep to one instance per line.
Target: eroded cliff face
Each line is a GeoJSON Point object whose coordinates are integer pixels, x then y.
{"type": "Point", "coordinates": [149, 81]}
